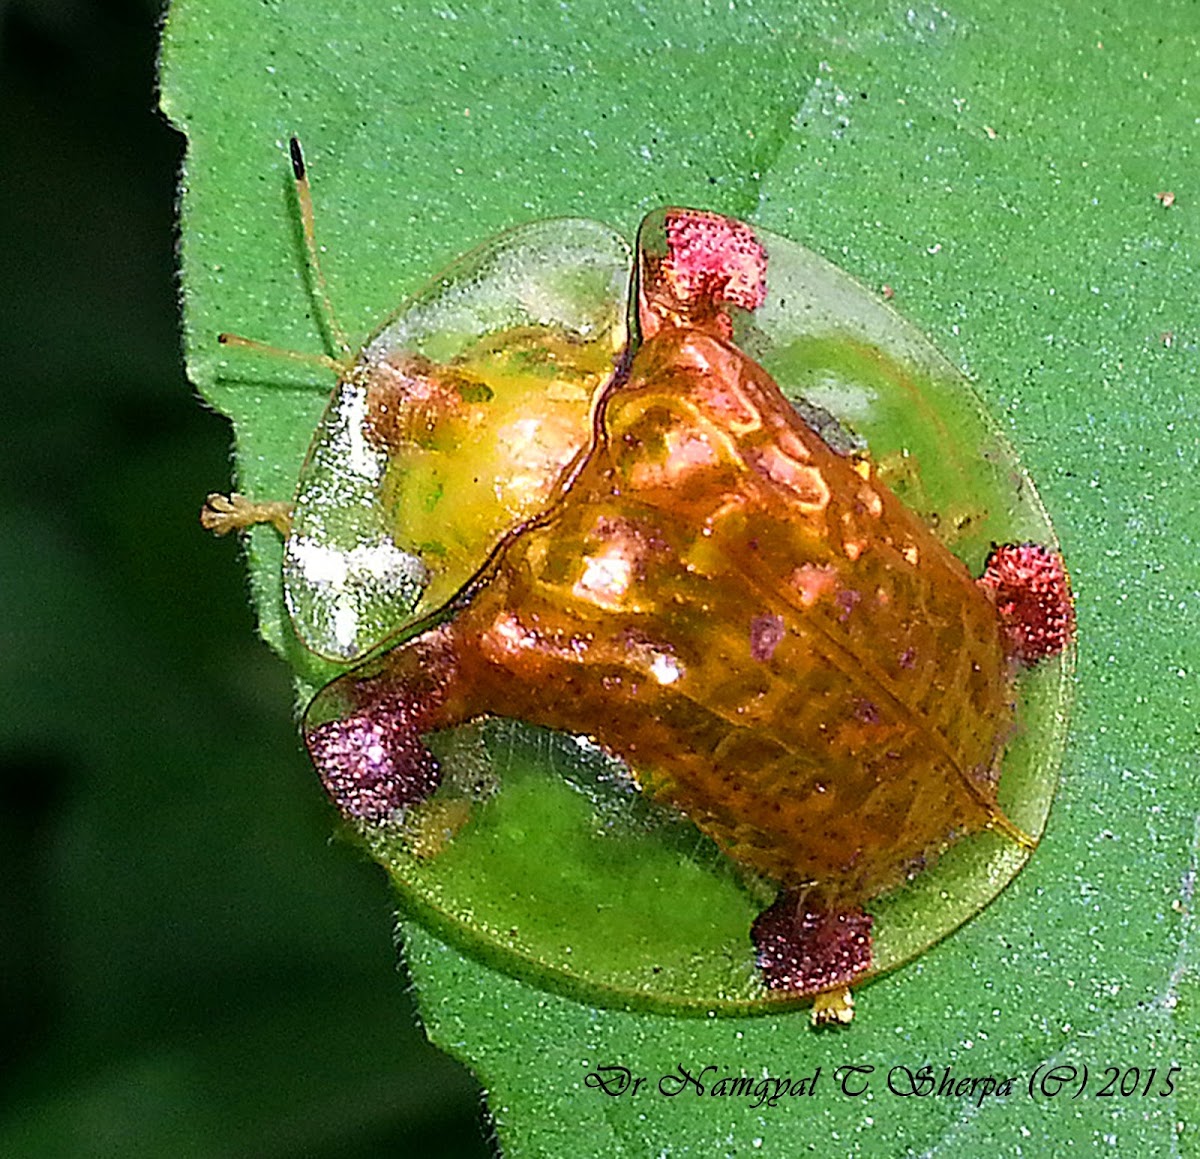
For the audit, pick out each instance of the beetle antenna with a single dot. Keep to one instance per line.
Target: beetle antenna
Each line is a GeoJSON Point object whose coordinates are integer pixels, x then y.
{"type": "Point", "coordinates": [307, 222]}
{"type": "Point", "coordinates": [321, 360]}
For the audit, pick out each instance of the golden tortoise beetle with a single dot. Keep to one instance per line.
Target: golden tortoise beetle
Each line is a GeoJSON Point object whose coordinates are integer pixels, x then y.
{"type": "Point", "coordinates": [750, 619]}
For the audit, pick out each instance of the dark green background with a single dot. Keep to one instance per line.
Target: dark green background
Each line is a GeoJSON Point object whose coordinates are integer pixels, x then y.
{"type": "Point", "coordinates": [188, 966]}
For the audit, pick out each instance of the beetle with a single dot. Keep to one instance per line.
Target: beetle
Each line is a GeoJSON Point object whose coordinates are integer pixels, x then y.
{"type": "Point", "coordinates": [617, 526]}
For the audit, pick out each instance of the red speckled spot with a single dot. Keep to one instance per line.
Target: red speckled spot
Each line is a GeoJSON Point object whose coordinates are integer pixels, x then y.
{"type": "Point", "coordinates": [715, 258]}
{"type": "Point", "coordinates": [807, 949]}
{"type": "Point", "coordinates": [1033, 598]}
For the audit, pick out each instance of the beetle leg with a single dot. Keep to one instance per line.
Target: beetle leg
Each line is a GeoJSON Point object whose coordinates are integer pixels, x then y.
{"type": "Point", "coordinates": [1033, 597]}
{"type": "Point", "coordinates": [222, 514]}
{"type": "Point", "coordinates": [808, 947]}
{"type": "Point", "coordinates": [833, 1006]}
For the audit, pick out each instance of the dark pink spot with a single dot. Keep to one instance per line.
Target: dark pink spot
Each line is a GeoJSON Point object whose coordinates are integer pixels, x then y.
{"type": "Point", "coordinates": [806, 949]}
{"type": "Point", "coordinates": [373, 764]}
{"type": "Point", "coordinates": [908, 658]}
{"type": "Point", "coordinates": [766, 634]}
{"type": "Point", "coordinates": [1033, 597]}
{"type": "Point", "coordinates": [364, 730]}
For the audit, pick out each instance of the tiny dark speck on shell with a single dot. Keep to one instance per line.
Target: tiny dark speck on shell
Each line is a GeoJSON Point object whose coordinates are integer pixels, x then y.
{"type": "Point", "coordinates": [766, 634]}
{"type": "Point", "coordinates": [847, 600]}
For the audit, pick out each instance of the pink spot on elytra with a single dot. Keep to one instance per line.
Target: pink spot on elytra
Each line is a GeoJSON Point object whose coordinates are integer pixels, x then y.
{"type": "Point", "coordinates": [1033, 597]}
{"type": "Point", "coordinates": [813, 581]}
{"type": "Point", "coordinates": [714, 258]}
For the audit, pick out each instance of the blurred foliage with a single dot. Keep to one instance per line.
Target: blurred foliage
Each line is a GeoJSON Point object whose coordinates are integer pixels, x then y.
{"type": "Point", "coordinates": [187, 966]}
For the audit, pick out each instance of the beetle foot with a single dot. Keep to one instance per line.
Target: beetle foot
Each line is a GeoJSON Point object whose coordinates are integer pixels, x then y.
{"type": "Point", "coordinates": [222, 514]}
{"type": "Point", "coordinates": [833, 1006]}
{"type": "Point", "coordinates": [1033, 597]}
{"type": "Point", "coordinates": [807, 948]}
{"type": "Point", "coordinates": [694, 266]}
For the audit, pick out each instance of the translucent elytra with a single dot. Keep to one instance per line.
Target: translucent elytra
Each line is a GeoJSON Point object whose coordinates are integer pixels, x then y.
{"type": "Point", "coordinates": [537, 850]}
{"type": "Point", "coordinates": [454, 426]}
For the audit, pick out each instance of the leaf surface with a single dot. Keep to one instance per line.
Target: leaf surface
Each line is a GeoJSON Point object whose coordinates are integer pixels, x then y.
{"type": "Point", "coordinates": [998, 170]}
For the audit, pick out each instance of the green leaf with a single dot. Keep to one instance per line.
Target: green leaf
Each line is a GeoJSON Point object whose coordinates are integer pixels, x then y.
{"type": "Point", "coordinates": [998, 170]}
